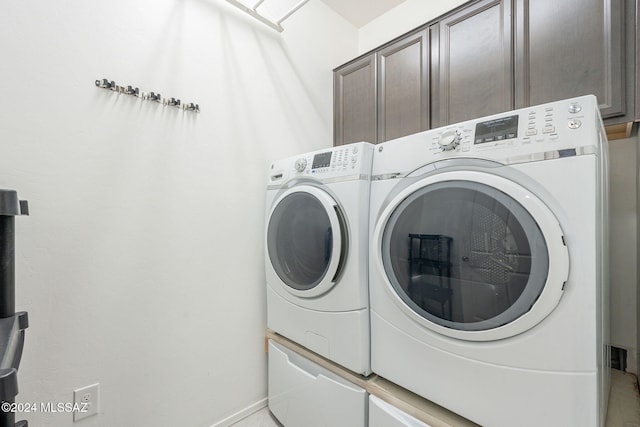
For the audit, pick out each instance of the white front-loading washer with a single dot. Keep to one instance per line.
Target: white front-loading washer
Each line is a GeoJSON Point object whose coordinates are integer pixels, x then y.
{"type": "Point", "coordinates": [317, 252]}
{"type": "Point", "coordinates": [488, 271]}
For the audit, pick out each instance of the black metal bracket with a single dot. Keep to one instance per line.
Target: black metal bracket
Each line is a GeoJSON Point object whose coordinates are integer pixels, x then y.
{"type": "Point", "coordinates": [12, 324]}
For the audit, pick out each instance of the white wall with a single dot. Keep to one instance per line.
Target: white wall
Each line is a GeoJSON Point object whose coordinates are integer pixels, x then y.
{"type": "Point", "coordinates": [141, 265]}
{"type": "Point", "coordinates": [402, 18]}
{"type": "Point", "coordinates": [624, 250]}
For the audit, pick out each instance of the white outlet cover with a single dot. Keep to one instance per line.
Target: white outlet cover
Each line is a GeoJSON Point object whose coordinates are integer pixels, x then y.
{"type": "Point", "coordinates": [86, 401]}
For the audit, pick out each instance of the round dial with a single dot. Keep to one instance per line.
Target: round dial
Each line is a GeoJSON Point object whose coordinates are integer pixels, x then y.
{"type": "Point", "coordinates": [574, 107]}
{"type": "Point", "coordinates": [449, 140]}
{"type": "Point", "coordinates": [301, 164]}
{"type": "Point", "coordinates": [574, 123]}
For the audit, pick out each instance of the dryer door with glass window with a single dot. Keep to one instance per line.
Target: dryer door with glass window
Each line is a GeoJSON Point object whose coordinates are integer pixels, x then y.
{"type": "Point", "coordinates": [472, 255]}
{"type": "Point", "coordinates": [306, 240]}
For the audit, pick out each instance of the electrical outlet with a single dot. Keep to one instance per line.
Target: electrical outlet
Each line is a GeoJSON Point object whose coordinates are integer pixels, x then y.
{"type": "Point", "coordinates": [85, 401]}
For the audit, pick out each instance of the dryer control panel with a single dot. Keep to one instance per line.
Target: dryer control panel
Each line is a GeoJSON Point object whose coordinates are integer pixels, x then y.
{"type": "Point", "coordinates": [334, 162]}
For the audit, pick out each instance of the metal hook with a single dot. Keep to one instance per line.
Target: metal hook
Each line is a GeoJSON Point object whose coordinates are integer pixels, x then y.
{"type": "Point", "coordinates": [173, 102]}
{"type": "Point", "coordinates": [192, 107]}
{"type": "Point", "coordinates": [154, 97]}
{"type": "Point", "coordinates": [104, 83]}
{"type": "Point", "coordinates": [131, 91]}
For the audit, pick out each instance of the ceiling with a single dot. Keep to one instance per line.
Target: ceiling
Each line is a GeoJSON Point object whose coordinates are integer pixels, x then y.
{"type": "Point", "coordinates": [357, 12]}
{"type": "Point", "coordinates": [361, 12]}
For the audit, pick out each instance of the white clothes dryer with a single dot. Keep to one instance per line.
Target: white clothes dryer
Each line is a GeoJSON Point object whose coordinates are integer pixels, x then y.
{"type": "Point", "coordinates": [488, 271]}
{"type": "Point", "coordinates": [317, 252]}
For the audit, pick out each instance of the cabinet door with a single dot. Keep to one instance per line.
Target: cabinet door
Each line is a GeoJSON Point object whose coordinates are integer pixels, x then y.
{"type": "Point", "coordinates": [637, 63]}
{"type": "Point", "coordinates": [475, 62]}
{"type": "Point", "coordinates": [569, 48]}
{"type": "Point", "coordinates": [355, 102]}
{"type": "Point", "coordinates": [403, 87]}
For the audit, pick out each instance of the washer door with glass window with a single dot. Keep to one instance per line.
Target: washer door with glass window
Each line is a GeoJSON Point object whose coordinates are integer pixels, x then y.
{"type": "Point", "coordinates": [306, 240]}
{"type": "Point", "coordinates": [471, 255]}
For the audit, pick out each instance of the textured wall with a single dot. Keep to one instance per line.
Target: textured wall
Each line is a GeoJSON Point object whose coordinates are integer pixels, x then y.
{"type": "Point", "coordinates": [142, 263]}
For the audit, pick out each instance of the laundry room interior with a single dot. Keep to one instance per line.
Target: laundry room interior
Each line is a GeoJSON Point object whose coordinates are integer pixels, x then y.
{"type": "Point", "coordinates": [142, 139]}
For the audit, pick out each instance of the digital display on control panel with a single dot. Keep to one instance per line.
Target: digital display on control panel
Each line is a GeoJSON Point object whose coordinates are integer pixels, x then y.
{"type": "Point", "coordinates": [496, 130]}
{"type": "Point", "coordinates": [321, 160]}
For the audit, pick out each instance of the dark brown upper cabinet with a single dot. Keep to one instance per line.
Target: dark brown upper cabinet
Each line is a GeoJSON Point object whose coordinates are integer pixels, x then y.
{"type": "Point", "coordinates": [403, 87]}
{"type": "Point", "coordinates": [354, 87]}
{"type": "Point", "coordinates": [569, 48]}
{"type": "Point", "coordinates": [475, 57]}
{"type": "Point", "coordinates": [490, 56]}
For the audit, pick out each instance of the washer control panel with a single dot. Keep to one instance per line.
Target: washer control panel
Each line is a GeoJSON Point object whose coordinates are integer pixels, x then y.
{"type": "Point", "coordinates": [543, 132]}
{"type": "Point", "coordinates": [450, 139]}
{"type": "Point", "coordinates": [555, 122]}
{"type": "Point", "coordinates": [500, 129]}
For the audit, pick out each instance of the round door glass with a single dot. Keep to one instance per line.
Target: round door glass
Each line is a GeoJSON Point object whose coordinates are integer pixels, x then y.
{"type": "Point", "coordinates": [465, 255]}
{"type": "Point", "coordinates": [300, 241]}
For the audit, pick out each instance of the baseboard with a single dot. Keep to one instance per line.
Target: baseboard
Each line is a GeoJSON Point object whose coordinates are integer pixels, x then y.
{"type": "Point", "coordinates": [242, 414]}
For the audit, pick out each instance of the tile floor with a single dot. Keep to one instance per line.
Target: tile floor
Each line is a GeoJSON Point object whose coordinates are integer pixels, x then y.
{"type": "Point", "coordinates": [624, 400]}
{"type": "Point", "coordinates": [262, 418]}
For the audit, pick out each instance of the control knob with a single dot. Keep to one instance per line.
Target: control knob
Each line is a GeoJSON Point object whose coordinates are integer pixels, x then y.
{"type": "Point", "coordinates": [449, 140]}
{"type": "Point", "coordinates": [301, 164]}
{"type": "Point", "coordinates": [575, 107]}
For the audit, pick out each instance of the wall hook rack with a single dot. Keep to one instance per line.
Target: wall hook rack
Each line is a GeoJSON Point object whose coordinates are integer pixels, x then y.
{"type": "Point", "coordinates": [147, 96]}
